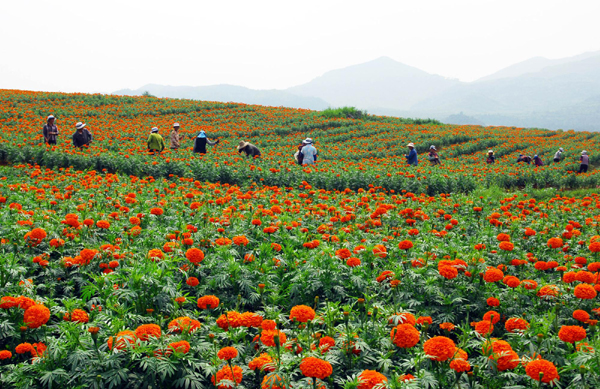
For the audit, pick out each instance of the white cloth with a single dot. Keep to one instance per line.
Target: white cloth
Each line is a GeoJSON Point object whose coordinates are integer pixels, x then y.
{"type": "Point", "coordinates": [309, 152]}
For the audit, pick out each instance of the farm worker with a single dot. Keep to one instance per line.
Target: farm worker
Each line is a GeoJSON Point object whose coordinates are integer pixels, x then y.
{"type": "Point", "coordinates": [298, 154]}
{"type": "Point", "coordinates": [538, 161]}
{"type": "Point", "coordinates": [524, 158]}
{"type": "Point", "coordinates": [433, 156]}
{"type": "Point", "coordinates": [201, 141]}
{"type": "Point", "coordinates": [585, 161]}
{"type": "Point", "coordinates": [50, 131]}
{"type": "Point", "coordinates": [490, 157]}
{"type": "Point", "coordinates": [558, 155]}
{"type": "Point", "coordinates": [309, 152]}
{"type": "Point", "coordinates": [411, 158]}
{"type": "Point", "coordinates": [249, 149]}
{"type": "Point", "coordinates": [155, 141]}
{"type": "Point", "coordinates": [174, 137]}
{"type": "Point", "coordinates": [81, 137]}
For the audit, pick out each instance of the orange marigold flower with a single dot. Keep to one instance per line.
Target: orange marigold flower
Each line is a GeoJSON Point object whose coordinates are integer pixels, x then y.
{"type": "Point", "coordinates": [155, 254]}
{"type": "Point", "coordinates": [353, 262]}
{"type": "Point", "coordinates": [502, 237]}
{"type": "Point", "coordinates": [227, 353]}
{"type": "Point", "coordinates": [439, 348]}
{"type": "Point", "coordinates": [194, 255]}
{"type": "Point", "coordinates": [183, 346]}
{"type": "Point", "coordinates": [208, 302]}
{"type": "Point", "coordinates": [425, 320]}
{"type": "Point", "coordinates": [581, 315]}
{"type": "Point", "coordinates": [264, 362]}
{"type": "Point", "coordinates": [493, 302]}
{"type": "Point", "coordinates": [555, 243]}
{"type": "Point", "coordinates": [460, 365]}
{"type": "Point", "coordinates": [79, 316]}
{"type": "Point", "coordinates": [315, 368]}
{"type": "Point", "coordinates": [250, 319]}
{"type": "Point", "coordinates": [267, 337]}
{"type": "Point", "coordinates": [240, 240]}
{"type": "Point", "coordinates": [405, 336]}
{"type": "Point", "coordinates": [24, 348]}
{"type": "Point", "coordinates": [36, 316]}
{"type": "Point", "coordinates": [122, 340]}
{"type": "Point", "coordinates": [232, 319]}
{"type": "Point", "coordinates": [379, 251]}
{"type": "Point", "coordinates": [145, 331]}
{"type": "Point", "coordinates": [506, 246]}
{"type": "Point", "coordinates": [483, 327]}
{"type": "Point", "coordinates": [493, 274]}
{"type": "Point", "coordinates": [548, 291]}
{"type": "Point", "coordinates": [405, 245]}
{"type": "Point", "coordinates": [183, 324]}
{"type": "Point", "coordinates": [492, 316]}
{"type": "Point", "coordinates": [368, 379]}
{"type": "Point", "coordinates": [192, 281]}
{"type": "Point", "coordinates": [157, 211]}
{"type": "Point", "coordinates": [227, 373]}
{"type": "Point", "coordinates": [302, 313]}
{"type": "Point", "coordinates": [585, 292]}
{"type": "Point", "coordinates": [5, 354]}
{"type": "Point", "coordinates": [572, 334]}
{"type": "Point", "coordinates": [274, 381]}
{"type": "Point", "coordinates": [103, 224]}
{"type": "Point", "coordinates": [516, 323]}
{"type": "Point", "coordinates": [543, 368]}
{"type": "Point", "coordinates": [343, 253]}
{"type": "Point", "coordinates": [403, 318]}
{"type": "Point", "coordinates": [594, 247]}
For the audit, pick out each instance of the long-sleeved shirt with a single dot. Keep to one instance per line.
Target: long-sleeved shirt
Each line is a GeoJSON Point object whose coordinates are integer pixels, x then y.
{"type": "Point", "coordinates": [411, 158]}
{"type": "Point", "coordinates": [50, 132]}
{"type": "Point", "coordinates": [174, 138]}
{"type": "Point", "coordinates": [250, 150]}
{"type": "Point", "coordinates": [156, 142]}
{"type": "Point", "coordinates": [309, 154]}
{"type": "Point", "coordinates": [585, 159]}
{"type": "Point", "coordinates": [81, 139]}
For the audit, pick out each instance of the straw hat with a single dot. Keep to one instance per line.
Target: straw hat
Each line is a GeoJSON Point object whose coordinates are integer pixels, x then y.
{"type": "Point", "coordinates": [175, 124]}
{"type": "Point", "coordinates": [242, 145]}
{"type": "Point", "coordinates": [560, 149]}
{"type": "Point", "coordinates": [80, 125]}
{"type": "Point", "coordinates": [50, 117]}
{"type": "Point", "coordinates": [411, 145]}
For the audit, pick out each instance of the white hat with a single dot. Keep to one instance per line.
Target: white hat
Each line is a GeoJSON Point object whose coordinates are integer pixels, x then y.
{"type": "Point", "coordinates": [50, 117]}
{"type": "Point", "coordinates": [583, 152]}
{"type": "Point", "coordinates": [307, 140]}
{"type": "Point", "coordinates": [79, 125]}
{"type": "Point", "coordinates": [242, 145]}
{"type": "Point", "coordinates": [491, 151]}
{"type": "Point", "coordinates": [175, 124]}
{"type": "Point", "coordinates": [432, 147]}
{"type": "Point", "coordinates": [560, 149]}
{"type": "Point", "coordinates": [411, 145]}
{"type": "Point", "coordinates": [154, 129]}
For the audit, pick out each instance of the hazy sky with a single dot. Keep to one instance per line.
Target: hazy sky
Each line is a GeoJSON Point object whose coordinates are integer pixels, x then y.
{"type": "Point", "coordinates": [103, 46]}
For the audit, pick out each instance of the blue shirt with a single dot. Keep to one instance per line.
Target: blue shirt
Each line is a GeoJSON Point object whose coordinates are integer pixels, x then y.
{"type": "Point", "coordinates": [411, 158]}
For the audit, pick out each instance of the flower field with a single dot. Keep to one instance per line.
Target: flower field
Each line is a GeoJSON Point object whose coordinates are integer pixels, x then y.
{"type": "Point", "coordinates": [124, 270]}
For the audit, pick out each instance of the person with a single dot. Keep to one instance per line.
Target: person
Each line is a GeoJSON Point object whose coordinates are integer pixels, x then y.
{"type": "Point", "coordinates": [155, 141]}
{"type": "Point", "coordinates": [538, 161]}
{"type": "Point", "coordinates": [524, 158]}
{"type": "Point", "coordinates": [309, 152]}
{"type": "Point", "coordinates": [411, 157]}
{"type": "Point", "coordinates": [174, 137]}
{"type": "Point", "coordinates": [298, 154]}
{"type": "Point", "coordinates": [433, 156]}
{"type": "Point", "coordinates": [50, 131]}
{"type": "Point", "coordinates": [558, 155]}
{"type": "Point", "coordinates": [201, 141]}
{"type": "Point", "coordinates": [585, 161]}
{"type": "Point", "coordinates": [490, 157]}
{"type": "Point", "coordinates": [249, 149]}
{"type": "Point", "coordinates": [81, 137]}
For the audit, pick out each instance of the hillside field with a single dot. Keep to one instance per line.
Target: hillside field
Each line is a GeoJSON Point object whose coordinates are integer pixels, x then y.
{"type": "Point", "coordinates": [120, 269]}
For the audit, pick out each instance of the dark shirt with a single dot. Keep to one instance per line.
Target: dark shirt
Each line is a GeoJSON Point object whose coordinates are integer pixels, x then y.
{"type": "Point", "coordinates": [48, 129]}
{"type": "Point", "coordinates": [411, 158]}
{"type": "Point", "coordinates": [250, 150]}
{"type": "Point", "coordinates": [81, 139]}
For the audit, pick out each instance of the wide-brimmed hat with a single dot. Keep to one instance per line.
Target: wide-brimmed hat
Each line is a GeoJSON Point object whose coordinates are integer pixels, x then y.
{"type": "Point", "coordinates": [50, 117]}
{"type": "Point", "coordinates": [201, 134]}
{"type": "Point", "coordinates": [175, 124]}
{"type": "Point", "coordinates": [242, 145]}
{"type": "Point", "coordinates": [154, 129]}
{"type": "Point", "coordinates": [79, 125]}
{"type": "Point", "coordinates": [583, 152]}
{"type": "Point", "coordinates": [491, 151]}
{"type": "Point", "coordinates": [560, 149]}
{"type": "Point", "coordinates": [411, 145]}
{"type": "Point", "coordinates": [432, 147]}
{"type": "Point", "coordinates": [308, 141]}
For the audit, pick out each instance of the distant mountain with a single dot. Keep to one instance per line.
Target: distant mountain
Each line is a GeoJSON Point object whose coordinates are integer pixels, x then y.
{"type": "Point", "coordinates": [533, 65]}
{"type": "Point", "coordinates": [381, 83]}
{"type": "Point", "coordinates": [229, 93]}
